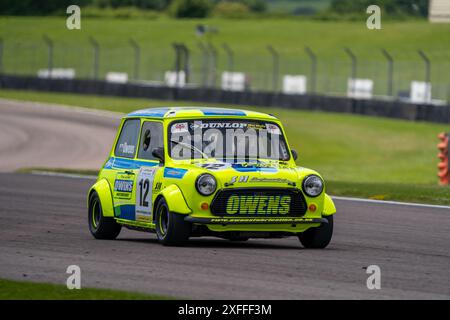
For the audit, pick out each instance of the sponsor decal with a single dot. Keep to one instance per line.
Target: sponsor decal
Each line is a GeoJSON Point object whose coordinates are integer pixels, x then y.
{"type": "Point", "coordinates": [258, 204]}
{"type": "Point", "coordinates": [217, 125]}
{"type": "Point", "coordinates": [271, 180]}
{"type": "Point", "coordinates": [243, 179]}
{"type": "Point", "coordinates": [123, 185]}
{"type": "Point", "coordinates": [109, 163]}
{"type": "Point", "coordinates": [158, 186]}
{"type": "Point", "coordinates": [121, 163]}
{"type": "Point", "coordinates": [235, 179]}
{"type": "Point", "coordinates": [125, 211]}
{"type": "Point", "coordinates": [174, 173]}
{"type": "Point", "coordinates": [273, 129]}
{"type": "Point", "coordinates": [251, 167]}
{"type": "Point", "coordinates": [215, 165]}
{"type": "Point", "coordinates": [179, 127]}
{"type": "Point", "coordinates": [262, 220]}
{"type": "Point", "coordinates": [257, 126]}
{"type": "Point", "coordinates": [127, 148]}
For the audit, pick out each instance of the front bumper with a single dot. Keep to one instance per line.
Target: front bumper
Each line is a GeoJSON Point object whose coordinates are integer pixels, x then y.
{"type": "Point", "coordinates": [226, 221]}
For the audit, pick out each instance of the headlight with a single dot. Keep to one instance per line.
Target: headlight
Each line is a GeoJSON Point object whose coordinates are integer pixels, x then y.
{"type": "Point", "coordinates": [312, 186]}
{"type": "Point", "coordinates": [206, 184]}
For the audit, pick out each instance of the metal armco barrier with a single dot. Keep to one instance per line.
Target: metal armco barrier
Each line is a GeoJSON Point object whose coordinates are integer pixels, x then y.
{"type": "Point", "coordinates": [378, 108]}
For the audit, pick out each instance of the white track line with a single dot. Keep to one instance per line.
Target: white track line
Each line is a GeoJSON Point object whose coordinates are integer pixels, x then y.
{"type": "Point", "coordinates": [392, 202]}
{"type": "Point", "coordinates": [64, 175]}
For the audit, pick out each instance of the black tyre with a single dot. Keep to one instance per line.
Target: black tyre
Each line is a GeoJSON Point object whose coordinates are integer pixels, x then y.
{"type": "Point", "coordinates": [101, 227]}
{"type": "Point", "coordinates": [318, 238]}
{"type": "Point", "coordinates": [171, 229]}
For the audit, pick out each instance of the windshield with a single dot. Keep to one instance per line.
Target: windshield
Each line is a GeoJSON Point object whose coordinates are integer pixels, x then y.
{"type": "Point", "coordinates": [227, 140]}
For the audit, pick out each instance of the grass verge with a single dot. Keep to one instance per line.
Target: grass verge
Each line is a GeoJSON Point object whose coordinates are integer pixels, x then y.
{"type": "Point", "coordinates": [25, 52]}
{"type": "Point", "coordinates": [416, 193]}
{"type": "Point", "coordinates": [24, 290]}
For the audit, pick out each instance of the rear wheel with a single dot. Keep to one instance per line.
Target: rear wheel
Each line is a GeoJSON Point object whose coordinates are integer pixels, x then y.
{"type": "Point", "coordinates": [101, 227]}
{"type": "Point", "coordinates": [319, 237]}
{"type": "Point", "coordinates": [171, 229]}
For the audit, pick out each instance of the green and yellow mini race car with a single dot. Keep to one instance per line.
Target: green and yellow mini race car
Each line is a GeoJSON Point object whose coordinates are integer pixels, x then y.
{"type": "Point", "coordinates": [188, 171]}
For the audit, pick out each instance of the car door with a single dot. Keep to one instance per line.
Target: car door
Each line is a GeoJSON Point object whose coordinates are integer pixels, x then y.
{"type": "Point", "coordinates": [150, 139]}
{"type": "Point", "coordinates": [123, 167]}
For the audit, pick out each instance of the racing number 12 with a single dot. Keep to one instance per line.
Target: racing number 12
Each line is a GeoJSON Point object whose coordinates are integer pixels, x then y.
{"type": "Point", "coordinates": [144, 186]}
{"type": "Point", "coordinates": [144, 193]}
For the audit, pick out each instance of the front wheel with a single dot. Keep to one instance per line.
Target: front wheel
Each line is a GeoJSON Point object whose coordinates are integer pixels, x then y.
{"type": "Point", "coordinates": [171, 229]}
{"type": "Point", "coordinates": [101, 227]}
{"type": "Point", "coordinates": [318, 237]}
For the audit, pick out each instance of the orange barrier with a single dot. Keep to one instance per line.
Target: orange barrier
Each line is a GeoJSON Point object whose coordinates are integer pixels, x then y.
{"type": "Point", "coordinates": [443, 165]}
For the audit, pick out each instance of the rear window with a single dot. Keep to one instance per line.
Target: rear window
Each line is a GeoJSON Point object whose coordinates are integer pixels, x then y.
{"type": "Point", "coordinates": [127, 142]}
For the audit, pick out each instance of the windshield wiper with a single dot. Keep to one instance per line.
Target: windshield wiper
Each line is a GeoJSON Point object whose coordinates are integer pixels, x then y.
{"type": "Point", "coordinates": [191, 147]}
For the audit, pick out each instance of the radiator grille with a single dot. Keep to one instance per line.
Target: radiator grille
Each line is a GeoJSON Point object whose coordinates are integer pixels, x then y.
{"type": "Point", "coordinates": [259, 202]}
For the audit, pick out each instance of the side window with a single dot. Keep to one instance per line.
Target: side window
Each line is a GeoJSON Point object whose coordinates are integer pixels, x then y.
{"type": "Point", "coordinates": [127, 142]}
{"type": "Point", "coordinates": [151, 138]}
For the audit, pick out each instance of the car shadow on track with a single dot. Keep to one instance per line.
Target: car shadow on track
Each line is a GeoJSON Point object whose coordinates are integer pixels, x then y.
{"type": "Point", "coordinates": [221, 243]}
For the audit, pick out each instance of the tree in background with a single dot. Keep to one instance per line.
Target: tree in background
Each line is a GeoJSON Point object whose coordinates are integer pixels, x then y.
{"type": "Point", "coordinates": [339, 9]}
{"type": "Point", "coordinates": [391, 7]}
{"type": "Point", "coordinates": [254, 5]}
{"type": "Point", "coordinates": [37, 7]}
{"type": "Point", "coordinates": [228, 9]}
{"type": "Point", "coordinates": [141, 4]}
{"type": "Point", "coordinates": [190, 8]}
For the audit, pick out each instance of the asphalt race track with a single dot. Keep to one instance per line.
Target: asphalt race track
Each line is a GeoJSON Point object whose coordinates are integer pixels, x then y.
{"type": "Point", "coordinates": [38, 135]}
{"type": "Point", "coordinates": [43, 230]}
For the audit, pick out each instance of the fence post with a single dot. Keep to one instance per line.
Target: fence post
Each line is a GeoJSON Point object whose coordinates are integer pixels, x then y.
{"type": "Point", "coordinates": [354, 61]}
{"type": "Point", "coordinates": [213, 55]}
{"type": "Point", "coordinates": [390, 80]}
{"type": "Point", "coordinates": [448, 94]}
{"type": "Point", "coordinates": [137, 58]}
{"type": "Point", "coordinates": [96, 48]}
{"type": "Point", "coordinates": [205, 62]}
{"type": "Point", "coordinates": [354, 65]}
{"type": "Point", "coordinates": [186, 61]}
{"type": "Point", "coordinates": [177, 67]}
{"type": "Point", "coordinates": [427, 71]}
{"type": "Point", "coordinates": [276, 67]}
{"type": "Point", "coordinates": [313, 58]}
{"type": "Point", "coordinates": [230, 56]}
{"type": "Point", "coordinates": [427, 65]}
{"type": "Point", "coordinates": [49, 44]}
{"type": "Point", "coordinates": [1, 55]}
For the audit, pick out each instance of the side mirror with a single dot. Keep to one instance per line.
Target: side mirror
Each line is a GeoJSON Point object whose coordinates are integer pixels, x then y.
{"type": "Point", "coordinates": [158, 153]}
{"type": "Point", "coordinates": [294, 154]}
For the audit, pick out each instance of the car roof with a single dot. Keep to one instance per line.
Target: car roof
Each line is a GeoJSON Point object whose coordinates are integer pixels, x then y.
{"type": "Point", "coordinates": [185, 112]}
